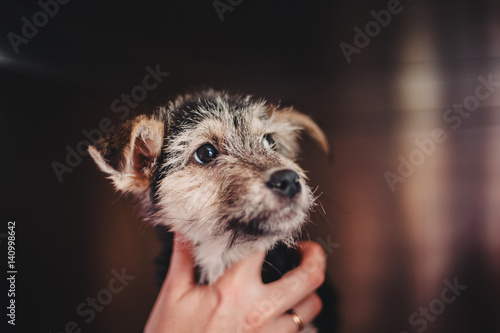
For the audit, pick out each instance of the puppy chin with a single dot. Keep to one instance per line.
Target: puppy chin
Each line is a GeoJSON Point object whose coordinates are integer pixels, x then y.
{"type": "Point", "coordinates": [289, 221]}
{"type": "Point", "coordinates": [289, 216]}
{"type": "Point", "coordinates": [271, 216]}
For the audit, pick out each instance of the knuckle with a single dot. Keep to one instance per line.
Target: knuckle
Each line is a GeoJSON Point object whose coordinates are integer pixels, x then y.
{"type": "Point", "coordinates": [254, 321]}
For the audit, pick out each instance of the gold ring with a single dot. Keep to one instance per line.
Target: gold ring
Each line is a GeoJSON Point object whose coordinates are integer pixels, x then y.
{"type": "Point", "coordinates": [297, 319]}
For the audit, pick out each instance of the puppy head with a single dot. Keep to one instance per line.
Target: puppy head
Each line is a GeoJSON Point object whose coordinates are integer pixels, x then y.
{"type": "Point", "coordinates": [215, 167]}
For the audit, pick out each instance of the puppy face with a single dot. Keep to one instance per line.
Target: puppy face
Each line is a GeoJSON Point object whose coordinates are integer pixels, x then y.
{"type": "Point", "coordinates": [217, 183]}
{"type": "Point", "coordinates": [219, 169]}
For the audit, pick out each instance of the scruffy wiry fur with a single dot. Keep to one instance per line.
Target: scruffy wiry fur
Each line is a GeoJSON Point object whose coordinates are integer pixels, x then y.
{"type": "Point", "coordinates": [226, 208]}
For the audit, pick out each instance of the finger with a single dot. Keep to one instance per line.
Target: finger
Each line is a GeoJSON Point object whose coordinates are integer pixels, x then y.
{"type": "Point", "coordinates": [307, 310]}
{"type": "Point", "coordinates": [180, 278]}
{"type": "Point", "coordinates": [247, 270]}
{"type": "Point", "coordinates": [180, 274]}
{"type": "Point", "coordinates": [303, 280]}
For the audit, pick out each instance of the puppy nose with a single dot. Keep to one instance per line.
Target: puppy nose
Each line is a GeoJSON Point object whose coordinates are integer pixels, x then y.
{"type": "Point", "coordinates": [285, 181]}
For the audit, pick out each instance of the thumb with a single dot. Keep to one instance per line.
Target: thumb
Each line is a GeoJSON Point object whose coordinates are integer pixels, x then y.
{"type": "Point", "coordinates": [179, 280]}
{"type": "Point", "coordinates": [180, 274]}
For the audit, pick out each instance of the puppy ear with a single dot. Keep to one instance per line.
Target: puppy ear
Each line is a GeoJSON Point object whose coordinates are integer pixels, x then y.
{"type": "Point", "coordinates": [304, 123]}
{"type": "Point", "coordinates": [128, 155]}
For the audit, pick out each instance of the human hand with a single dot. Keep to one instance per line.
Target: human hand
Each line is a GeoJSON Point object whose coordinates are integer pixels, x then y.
{"type": "Point", "coordinates": [238, 301]}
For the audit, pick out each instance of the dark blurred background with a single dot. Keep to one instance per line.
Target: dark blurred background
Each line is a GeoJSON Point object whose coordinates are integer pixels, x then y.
{"type": "Point", "coordinates": [396, 249]}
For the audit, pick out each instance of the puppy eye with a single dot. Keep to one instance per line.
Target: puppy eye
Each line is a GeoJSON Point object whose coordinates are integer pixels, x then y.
{"type": "Point", "coordinates": [268, 141]}
{"type": "Point", "coordinates": [205, 154]}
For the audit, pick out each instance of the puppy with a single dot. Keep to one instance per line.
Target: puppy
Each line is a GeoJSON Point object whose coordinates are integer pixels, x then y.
{"type": "Point", "coordinates": [218, 169]}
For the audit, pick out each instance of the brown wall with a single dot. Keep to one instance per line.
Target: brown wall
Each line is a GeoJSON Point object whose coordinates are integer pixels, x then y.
{"type": "Point", "coordinates": [394, 249]}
